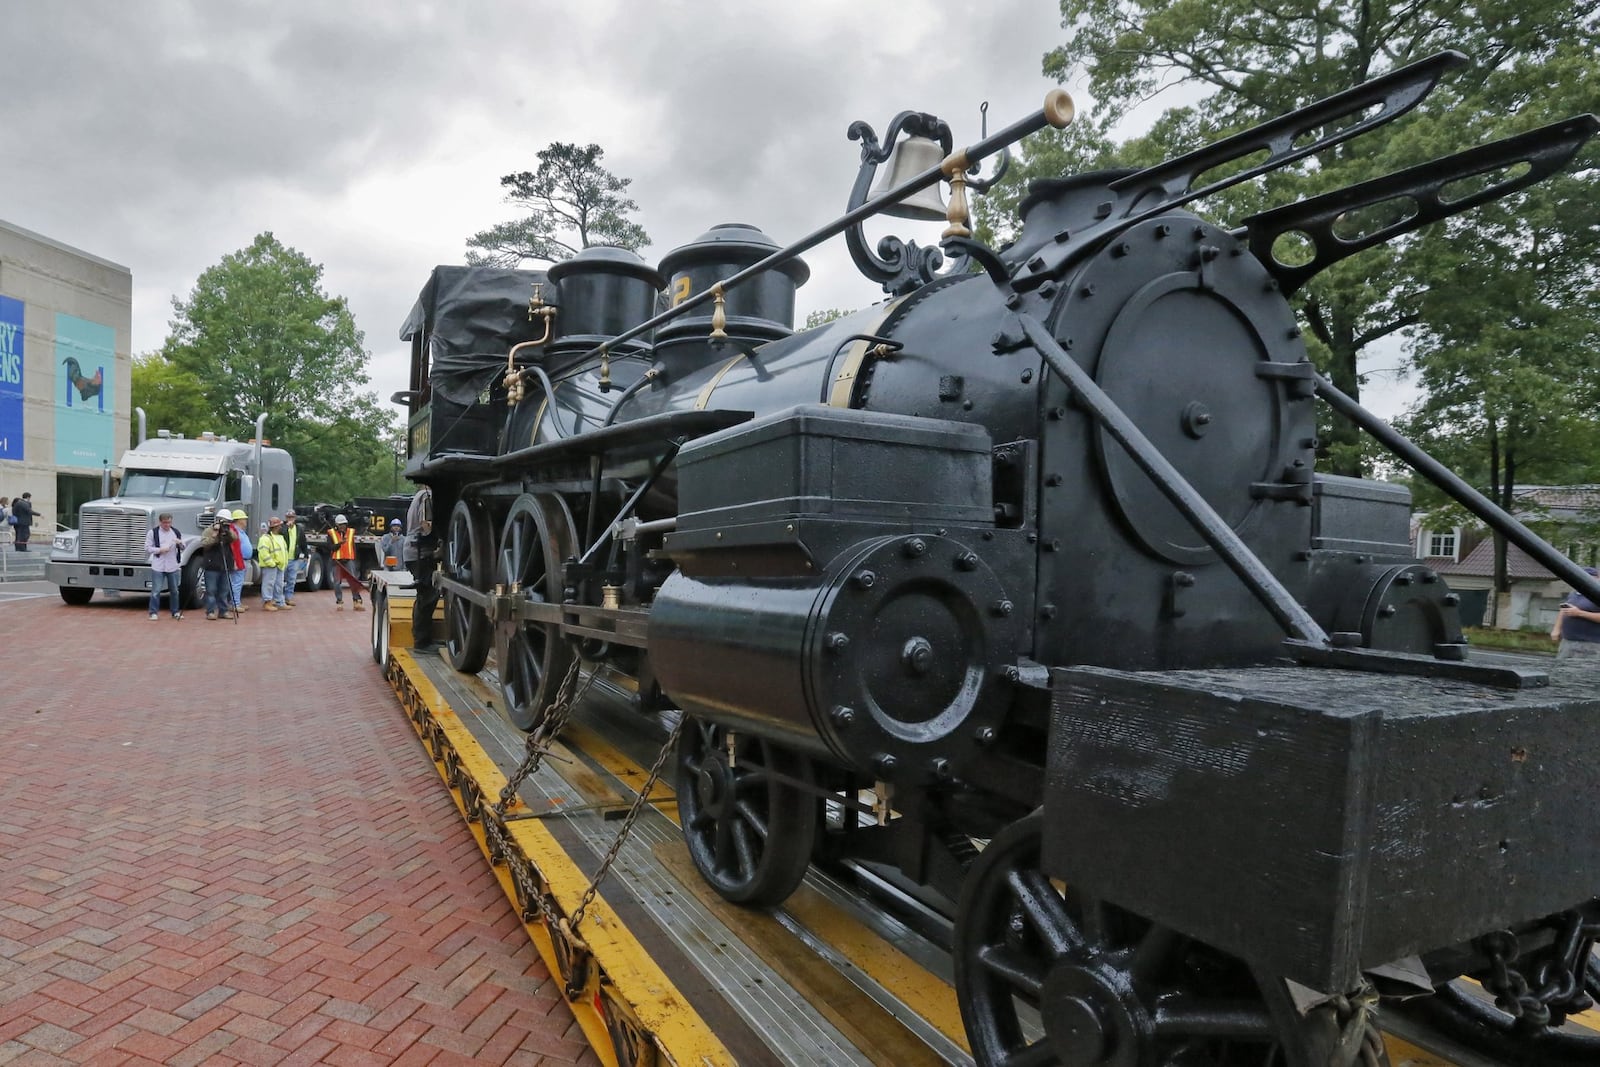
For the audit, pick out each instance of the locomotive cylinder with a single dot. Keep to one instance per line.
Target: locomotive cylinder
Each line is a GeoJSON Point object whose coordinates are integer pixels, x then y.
{"type": "Point", "coordinates": [825, 597]}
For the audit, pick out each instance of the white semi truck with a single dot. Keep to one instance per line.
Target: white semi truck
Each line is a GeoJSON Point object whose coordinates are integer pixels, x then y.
{"type": "Point", "coordinates": [189, 477]}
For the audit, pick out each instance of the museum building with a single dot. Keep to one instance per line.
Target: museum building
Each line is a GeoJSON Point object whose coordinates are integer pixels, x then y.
{"type": "Point", "coordinates": [65, 355]}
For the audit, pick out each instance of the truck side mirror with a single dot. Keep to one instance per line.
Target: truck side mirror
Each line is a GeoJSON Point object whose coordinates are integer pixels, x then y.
{"type": "Point", "coordinates": [247, 490]}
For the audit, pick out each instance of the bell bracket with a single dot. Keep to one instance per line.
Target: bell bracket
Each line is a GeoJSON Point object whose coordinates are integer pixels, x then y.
{"type": "Point", "coordinates": [899, 266]}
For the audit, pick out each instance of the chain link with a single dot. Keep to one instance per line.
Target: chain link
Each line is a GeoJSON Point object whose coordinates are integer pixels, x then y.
{"type": "Point", "coordinates": [544, 735]}
{"type": "Point", "coordinates": [529, 895]}
{"type": "Point", "coordinates": [1561, 974]}
{"type": "Point", "coordinates": [639, 803]}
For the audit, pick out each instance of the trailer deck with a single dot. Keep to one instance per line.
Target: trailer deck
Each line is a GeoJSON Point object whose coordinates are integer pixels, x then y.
{"type": "Point", "coordinates": [667, 971]}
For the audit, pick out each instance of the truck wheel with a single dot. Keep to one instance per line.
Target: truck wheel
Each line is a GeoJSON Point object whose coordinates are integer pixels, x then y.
{"type": "Point", "coordinates": [191, 589]}
{"type": "Point", "coordinates": [76, 595]}
{"type": "Point", "coordinates": [316, 571]}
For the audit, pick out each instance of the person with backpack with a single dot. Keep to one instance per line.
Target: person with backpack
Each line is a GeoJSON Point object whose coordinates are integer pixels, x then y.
{"type": "Point", "coordinates": [165, 547]}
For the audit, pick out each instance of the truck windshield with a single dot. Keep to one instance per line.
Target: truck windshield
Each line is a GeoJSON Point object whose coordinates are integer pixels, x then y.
{"type": "Point", "coordinates": [175, 486]}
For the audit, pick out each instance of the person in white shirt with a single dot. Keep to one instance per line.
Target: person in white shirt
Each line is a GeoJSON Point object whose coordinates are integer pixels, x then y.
{"type": "Point", "coordinates": [166, 560]}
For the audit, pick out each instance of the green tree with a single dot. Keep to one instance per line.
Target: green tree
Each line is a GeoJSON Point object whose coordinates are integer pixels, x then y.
{"type": "Point", "coordinates": [1509, 370]}
{"type": "Point", "coordinates": [571, 201]}
{"type": "Point", "coordinates": [259, 335]}
{"type": "Point", "coordinates": [822, 316]}
{"type": "Point", "coordinates": [1239, 63]}
{"type": "Point", "coordinates": [172, 399]}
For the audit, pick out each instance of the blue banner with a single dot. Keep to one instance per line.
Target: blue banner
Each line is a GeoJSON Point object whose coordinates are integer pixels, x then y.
{"type": "Point", "coordinates": [11, 364]}
{"type": "Point", "coordinates": [85, 356]}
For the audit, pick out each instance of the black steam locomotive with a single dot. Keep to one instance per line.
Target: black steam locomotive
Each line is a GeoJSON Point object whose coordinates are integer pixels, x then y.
{"type": "Point", "coordinates": [1022, 587]}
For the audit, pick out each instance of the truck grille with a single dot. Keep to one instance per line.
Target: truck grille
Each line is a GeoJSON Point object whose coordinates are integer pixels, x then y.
{"type": "Point", "coordinates": [113, 536]}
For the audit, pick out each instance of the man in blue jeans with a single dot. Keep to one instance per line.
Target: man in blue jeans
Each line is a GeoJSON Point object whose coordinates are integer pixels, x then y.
{"type": "Point", "coordinates": [216, 544]}
{"type": "Point", "coordinates": [297, 556]}
{"type": "Point", "coordinates": [166, 553]}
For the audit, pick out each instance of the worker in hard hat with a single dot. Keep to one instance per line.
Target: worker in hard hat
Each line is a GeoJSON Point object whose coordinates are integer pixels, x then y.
{"type": "Point", "coordinates": [272, 552]}
{"type": "Point", "coordinates": [343, 540]}
{"type": "Point", "coordinates": [391, 546]}
{"type": "Point", "coordinates": [244, 549]}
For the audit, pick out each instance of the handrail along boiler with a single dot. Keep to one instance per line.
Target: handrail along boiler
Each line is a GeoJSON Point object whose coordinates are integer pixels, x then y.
{"type": "Point", "coordinates": [1021, 587]}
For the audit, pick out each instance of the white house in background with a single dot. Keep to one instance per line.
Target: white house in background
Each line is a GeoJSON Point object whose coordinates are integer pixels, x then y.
{"type": "Point", "coordinates": [1568, 516]}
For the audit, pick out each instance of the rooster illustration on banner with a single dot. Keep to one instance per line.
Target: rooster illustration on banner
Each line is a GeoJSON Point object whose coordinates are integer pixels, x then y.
{"type": "Point", "coordinates": [87, 387]}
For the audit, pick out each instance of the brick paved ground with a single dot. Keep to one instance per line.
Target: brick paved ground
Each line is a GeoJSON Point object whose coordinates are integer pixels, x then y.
{"type": "Point", "coordinates": [222, 843]}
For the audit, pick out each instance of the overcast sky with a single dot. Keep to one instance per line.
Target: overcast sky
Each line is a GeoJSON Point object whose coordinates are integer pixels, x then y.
{"type": "Point", "coordinates": [163, 134]}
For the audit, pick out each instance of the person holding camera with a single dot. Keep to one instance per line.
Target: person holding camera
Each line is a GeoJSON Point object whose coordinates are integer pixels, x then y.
{"type": "Point", "coordinates": [166, 560]}
{"type": "Point", "coordinates": [217, 559]}
{"type": "Point", "coordinates": [421, 553]}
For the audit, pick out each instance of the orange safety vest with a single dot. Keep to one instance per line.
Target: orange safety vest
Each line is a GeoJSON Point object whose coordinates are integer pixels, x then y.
{"type": "Point", "coordinates": [344, 547]}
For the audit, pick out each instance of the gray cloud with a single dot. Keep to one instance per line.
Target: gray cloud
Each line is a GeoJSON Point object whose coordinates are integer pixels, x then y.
{"type": "Point", "coordinates": [371, 136]}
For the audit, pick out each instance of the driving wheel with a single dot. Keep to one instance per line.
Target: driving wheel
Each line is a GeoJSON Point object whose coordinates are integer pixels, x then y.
{"type": "Point", "coordinates": [748, 824]}
{"type": "Point", "coordinates": [1047, 976]}
{"type": "Point", "coordinates": [466, 559]}
{"type": "Point", "coordinates": [534, 658]}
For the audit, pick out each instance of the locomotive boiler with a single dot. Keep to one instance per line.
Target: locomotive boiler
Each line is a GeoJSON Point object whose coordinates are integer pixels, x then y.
{"type": "Point", "coordinates": [1021, 590]}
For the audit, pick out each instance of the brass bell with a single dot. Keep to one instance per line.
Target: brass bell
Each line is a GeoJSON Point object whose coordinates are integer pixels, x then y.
{"type": "Point", "coordinates": [912, 156]}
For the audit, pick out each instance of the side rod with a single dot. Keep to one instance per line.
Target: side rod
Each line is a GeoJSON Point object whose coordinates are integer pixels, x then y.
{"type": "Point", "coordinates": [1291, 615]}
{"type": "Point", "coordinates": [1460, 491]}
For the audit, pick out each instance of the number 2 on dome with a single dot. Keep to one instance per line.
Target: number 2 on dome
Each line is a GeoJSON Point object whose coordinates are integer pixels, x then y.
{"type": "Point", "coordinates": [680, 289]}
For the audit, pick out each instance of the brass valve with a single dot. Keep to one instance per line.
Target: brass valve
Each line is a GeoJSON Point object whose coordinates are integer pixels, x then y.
{"type": "Point", "coordinates": [538, 309]}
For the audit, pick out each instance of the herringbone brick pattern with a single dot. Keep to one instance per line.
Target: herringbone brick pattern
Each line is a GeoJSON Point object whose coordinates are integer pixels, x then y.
{"type": "Point", "coordinates": [221, 843]}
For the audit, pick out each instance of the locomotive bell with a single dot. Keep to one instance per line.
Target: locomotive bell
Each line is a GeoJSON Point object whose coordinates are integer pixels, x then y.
{"type": "Point", "coordinates": [912, 156]}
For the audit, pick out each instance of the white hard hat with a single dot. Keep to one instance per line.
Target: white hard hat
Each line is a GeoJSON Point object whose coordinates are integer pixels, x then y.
{"type": "Point", "coordinates": [340, 520]}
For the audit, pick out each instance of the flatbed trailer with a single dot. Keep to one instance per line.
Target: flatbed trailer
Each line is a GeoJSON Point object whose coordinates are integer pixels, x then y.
{"type": "Point", "coordinates": [659, 970]}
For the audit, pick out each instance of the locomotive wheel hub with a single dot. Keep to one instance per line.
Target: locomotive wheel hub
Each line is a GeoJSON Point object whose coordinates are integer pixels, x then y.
{"type": "Point", "coordinates": [1093, 1016]}
{"type": "Point", "coordinates": [713, 785]}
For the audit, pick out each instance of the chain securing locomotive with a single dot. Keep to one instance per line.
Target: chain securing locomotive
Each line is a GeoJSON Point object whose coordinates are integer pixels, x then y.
{"type": "Point", "coordinates": [1025, 579]}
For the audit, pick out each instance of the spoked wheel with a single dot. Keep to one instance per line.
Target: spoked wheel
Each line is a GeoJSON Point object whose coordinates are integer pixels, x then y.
{"type": "Point", "coordinates": [380, 624]}
{"type": "Point", "coordinates": [1467, 1015]}
{"type": "Point", "coordinates": [750, 831]}
{"type": "Point", "coordinates": [1044, 976]}
{"type": "Point", "coordinates": [538, 534]}
{"type": "Point", "coordinates": [466, 559]}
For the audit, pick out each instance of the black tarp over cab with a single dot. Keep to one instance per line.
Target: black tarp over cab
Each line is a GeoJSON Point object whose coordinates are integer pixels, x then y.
{"type": "Point", "coordinates": [464, 322]}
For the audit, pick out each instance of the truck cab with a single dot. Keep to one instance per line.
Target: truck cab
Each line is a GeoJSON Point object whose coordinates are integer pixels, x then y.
{"type": "Point", "coordinates": [191, 478]}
